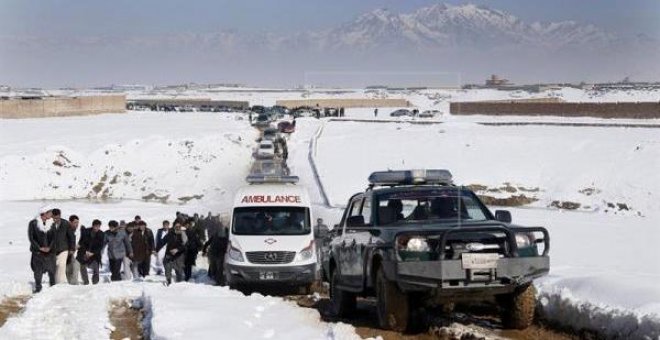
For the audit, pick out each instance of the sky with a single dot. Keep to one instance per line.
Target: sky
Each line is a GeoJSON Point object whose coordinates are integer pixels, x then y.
{"type": "Point", "coordinates": [93, 17]}
{"type": "Point", "coordinates": [27, 20]}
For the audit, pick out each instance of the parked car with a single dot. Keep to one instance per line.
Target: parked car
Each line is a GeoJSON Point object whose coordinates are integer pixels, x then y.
{"type": "Point", "coordinates": [429, 114]}
{"type": "Point", "coordinates": [401, 113]}
{"type": "Point", "coordinates": [414, 240]}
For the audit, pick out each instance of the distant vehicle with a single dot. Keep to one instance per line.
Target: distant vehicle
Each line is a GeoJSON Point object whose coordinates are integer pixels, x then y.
{"type": "Point", "coordinates": [265, 150]}
{"type": "Point", "coordinates": [258, 109]}
{"type": "Point", "coordinates": [270, 134]}
{"type": "Point", "coordinates": [401, 113]}
{"type": "Point", "coordinates": [413, 239]}
{"type": "Point", "coordinates": [429, 114]}
{"type": "Point", "coordinates": [286, 127]}
{"type": "Point", "coordinates": [271, 241]}
{"type": "Point", "coordinates": [263, 121]}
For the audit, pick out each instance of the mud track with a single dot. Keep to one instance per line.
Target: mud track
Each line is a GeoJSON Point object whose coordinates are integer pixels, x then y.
{"type": "Point", "coordinates": [465, 322]}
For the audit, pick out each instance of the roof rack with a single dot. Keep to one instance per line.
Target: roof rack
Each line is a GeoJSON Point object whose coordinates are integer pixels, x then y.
{"type": "Point", "coordinates": [410, 177]}
{"type": "Point", "coordinates": [259, 179]}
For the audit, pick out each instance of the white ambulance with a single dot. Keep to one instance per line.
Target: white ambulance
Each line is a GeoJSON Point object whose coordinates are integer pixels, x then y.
{"type": "Point", "coordinates": [270, 235]}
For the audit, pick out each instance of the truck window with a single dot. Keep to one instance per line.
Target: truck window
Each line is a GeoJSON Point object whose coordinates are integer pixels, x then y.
{"type": "Point", "coordinates": [429, 205]}
{"type": "Point", "coordinates": [271, 221]}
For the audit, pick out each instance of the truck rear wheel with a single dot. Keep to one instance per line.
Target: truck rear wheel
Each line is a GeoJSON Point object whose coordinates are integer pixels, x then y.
{"type": "Point", "coordinates": [343, 302]}
{"type": "Point", "coordinates": [392, 305]}
{"type": "Point", "coordinates": [518, 307]}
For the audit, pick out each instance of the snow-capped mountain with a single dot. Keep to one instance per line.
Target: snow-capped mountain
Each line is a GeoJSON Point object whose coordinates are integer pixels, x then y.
{"type": "Point", "coordinates": [445, 25]}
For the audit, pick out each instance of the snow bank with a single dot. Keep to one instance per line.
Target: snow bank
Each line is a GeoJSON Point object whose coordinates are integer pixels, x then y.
{"type": "Point", "coordinates": [611, 170]}
{"type": "Point", "coordinates": [190, 311]}
{"type": "Point", "coordinates": [133, 156]}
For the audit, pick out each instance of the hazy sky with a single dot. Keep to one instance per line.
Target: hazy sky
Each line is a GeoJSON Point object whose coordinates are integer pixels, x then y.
{"type": "Point", "coordinates": [70, 43]}
{"type": "Point", "coordinates": [120, 17]}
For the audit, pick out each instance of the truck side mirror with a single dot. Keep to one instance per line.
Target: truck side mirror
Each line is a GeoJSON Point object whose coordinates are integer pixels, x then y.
{"type": "Point", "coordinates": [503, 216]}
{"type": "Point", "coordinates": [355, 221]}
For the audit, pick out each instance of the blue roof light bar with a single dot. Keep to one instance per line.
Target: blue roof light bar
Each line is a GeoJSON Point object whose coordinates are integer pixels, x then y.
{"type": "Point", "coordinates": [410, 177]}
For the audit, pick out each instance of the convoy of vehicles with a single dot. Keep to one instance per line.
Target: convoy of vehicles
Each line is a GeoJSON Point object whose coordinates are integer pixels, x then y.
{"type": "Point", "coordinates": [412, 240]}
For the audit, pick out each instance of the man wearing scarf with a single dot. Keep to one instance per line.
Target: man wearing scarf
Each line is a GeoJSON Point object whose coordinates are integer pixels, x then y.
{"type": "Point", "coordinates": [42, 259]}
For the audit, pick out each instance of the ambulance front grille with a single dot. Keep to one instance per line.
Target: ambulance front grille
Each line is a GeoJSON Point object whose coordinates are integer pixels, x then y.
{"type": "Point", "coordinates": [270, 257]}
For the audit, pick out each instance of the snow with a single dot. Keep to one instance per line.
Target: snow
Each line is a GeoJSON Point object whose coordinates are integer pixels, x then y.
{"type": "Point", "coordinates": [604, 271]}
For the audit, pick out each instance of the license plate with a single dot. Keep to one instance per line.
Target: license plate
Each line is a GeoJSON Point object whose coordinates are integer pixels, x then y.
{"type": "Point", "coordinates": [479, 261]}
{"type": "Point", "coordinates": [266, 276]}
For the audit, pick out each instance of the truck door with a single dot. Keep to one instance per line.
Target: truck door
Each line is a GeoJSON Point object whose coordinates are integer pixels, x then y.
{"type": "Point", "coordinates": [358, 246]}
{"type": "Point", "coordinates": [349, 264]}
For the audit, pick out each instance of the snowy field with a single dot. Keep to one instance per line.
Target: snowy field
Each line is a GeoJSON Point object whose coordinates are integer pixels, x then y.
{"type": "Point", "coordinates": [604, 259]}
{"type": "Point", "coordinates": [201, 157]}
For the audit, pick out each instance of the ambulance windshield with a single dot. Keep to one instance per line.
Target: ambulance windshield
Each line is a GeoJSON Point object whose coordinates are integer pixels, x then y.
{"type": "Point", "coordinates": [271, 221]}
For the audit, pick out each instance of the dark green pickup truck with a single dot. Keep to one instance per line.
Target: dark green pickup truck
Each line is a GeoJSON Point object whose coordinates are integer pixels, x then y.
{"type": "Point", "coordinates": [414, 240]}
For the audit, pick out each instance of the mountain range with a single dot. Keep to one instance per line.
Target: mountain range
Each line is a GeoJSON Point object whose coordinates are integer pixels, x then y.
{"type": "Point", "coordinates": [469, 41]}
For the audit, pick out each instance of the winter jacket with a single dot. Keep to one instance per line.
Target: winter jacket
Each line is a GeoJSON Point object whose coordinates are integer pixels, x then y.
{"type": "Point", "coordinates": [143, 244]}
{"type": "Point", "coordinates": [216, 245]}
{"type": "Point", "coordinates": [160, 234]}
{"type": "Point", "coordinates": [119, 246]}
{"type": "Point", "coordinates": [194, 244]}
{"type": "Point", "coordinates": [93, 242]}
{"type": "Point", "coordinates": [63, 238]}
{"type": "Point", "coordinates": [173, 241]}
{"type": "Point", "coordinates": [38, 238]}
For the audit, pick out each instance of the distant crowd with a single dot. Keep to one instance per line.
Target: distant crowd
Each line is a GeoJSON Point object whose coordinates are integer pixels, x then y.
{"type": "Point", "coordinates": [68, 252]}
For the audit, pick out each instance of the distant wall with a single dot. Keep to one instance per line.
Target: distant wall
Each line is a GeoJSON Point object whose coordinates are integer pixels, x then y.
{"type": "Point", "coordinates": [193, 102]}
{"type": "Point", "coordinates": [64, 106]}
{"type": "Point", "coordinates": [347, 103]}
{"type": "Point", "coordinates": [633, 110]}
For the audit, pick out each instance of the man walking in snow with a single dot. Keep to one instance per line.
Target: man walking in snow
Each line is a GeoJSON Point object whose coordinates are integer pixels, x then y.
{"type": "Point", "coordinates": [193, 246]}
{"type": "Point", "coordinates": [119, 247]}
{"type": "Point", "coordinates": [90, 248]}
{"type": "Point", "coordinates": [62, 245]}
{"type": "Point", "coordinates": [160, 236]}
{"type": "Point", "coordinates": [175, 247]}
{"type": "Point", "coordinates": [73, 266]}
{"type": "Point", "coordinates": [42, 260]}
{"type": "Point", "coordinates": [142, 242]}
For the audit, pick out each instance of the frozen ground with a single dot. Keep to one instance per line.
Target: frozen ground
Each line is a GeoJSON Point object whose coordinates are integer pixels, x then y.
{"type": "Point", "coordinates": [604, 264]}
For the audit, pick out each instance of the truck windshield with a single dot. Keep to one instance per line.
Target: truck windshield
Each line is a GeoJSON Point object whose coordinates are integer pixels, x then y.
{"type": "Point", "coordinates": [271, 221]}
{"type": "Point", "coordinates": [429, 205]}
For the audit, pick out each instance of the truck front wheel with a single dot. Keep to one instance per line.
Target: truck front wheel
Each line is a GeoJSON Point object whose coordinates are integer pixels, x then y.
{"type": "Point", "coordinates": [343, 303]}
{"type": "Point", "coordinates": [518, 307]}
{"type": "Point", "coordinates": [392, 305]}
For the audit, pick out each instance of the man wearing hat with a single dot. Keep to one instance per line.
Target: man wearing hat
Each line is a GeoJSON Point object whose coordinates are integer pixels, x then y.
{"type": "Point", "coordinates": [42, 259]}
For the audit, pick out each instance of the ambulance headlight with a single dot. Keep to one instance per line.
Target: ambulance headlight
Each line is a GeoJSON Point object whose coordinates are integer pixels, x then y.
{"type": "Point", "coordinates": [235, 254]}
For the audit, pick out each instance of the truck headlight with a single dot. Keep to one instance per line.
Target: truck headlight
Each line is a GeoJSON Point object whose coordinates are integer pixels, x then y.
{"type": "Point", "coordinates": [417, 244]}
{"type": "Point", "coordinates": [235, 254]}
{"type": "Point", "coordinates": [307, 252]}
{"type": "Point", "coordinates": [524, 240]}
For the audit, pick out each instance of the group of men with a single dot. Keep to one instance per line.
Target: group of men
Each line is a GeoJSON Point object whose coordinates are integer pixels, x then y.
{"type": "Point", "coordinates": [65, 250]}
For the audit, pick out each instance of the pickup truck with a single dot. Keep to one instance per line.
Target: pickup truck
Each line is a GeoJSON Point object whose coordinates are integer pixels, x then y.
{"type": "Point", "coordinates": [415, 240]}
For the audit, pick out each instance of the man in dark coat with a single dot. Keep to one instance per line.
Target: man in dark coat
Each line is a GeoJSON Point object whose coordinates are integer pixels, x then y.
{"type": "Point", "coordinates": [142, 241]}
{"type": "Point", "coordinates": [62, 245]}
{"type": "Point", "coordinates": [119, 246]}
{"type": "Point", "coordinates": [175, 248]}
{"type": "Point", "coordinates": [193, 246]}
{"type": "Point", "coordinates": [215, 248]}
{"type": "Point", "coordinates": [42, 260]}
{"type": "Point", "coordinates": [90, 247]}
